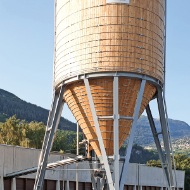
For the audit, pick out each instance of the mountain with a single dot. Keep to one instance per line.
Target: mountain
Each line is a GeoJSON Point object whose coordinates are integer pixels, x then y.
{"type": "Point", "coordinates": [178, 130]}
{"type": "Point", "coordinates": [12, 105]}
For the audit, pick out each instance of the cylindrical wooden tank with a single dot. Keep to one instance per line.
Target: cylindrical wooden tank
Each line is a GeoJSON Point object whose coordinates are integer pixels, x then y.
{"type": "Point", "coordinates": [93, 36]}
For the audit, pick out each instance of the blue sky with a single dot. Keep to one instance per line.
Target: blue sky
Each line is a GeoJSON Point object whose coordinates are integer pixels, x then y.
{"type": "Point", "coordinates": [26, 54]}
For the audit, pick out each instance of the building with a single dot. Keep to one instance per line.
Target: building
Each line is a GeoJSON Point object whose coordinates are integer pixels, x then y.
{"type": "Point", "coordinates": [14, 158]}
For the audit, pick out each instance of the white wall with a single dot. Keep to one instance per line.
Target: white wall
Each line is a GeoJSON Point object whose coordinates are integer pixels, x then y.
{"type": "Point", "coordinates": [14, 158]}
{"type": "Point", "coordinates": [137, 175]}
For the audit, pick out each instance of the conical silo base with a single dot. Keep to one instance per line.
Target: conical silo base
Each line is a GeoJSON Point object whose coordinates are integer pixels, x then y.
{"type": "Point", "coordinates": [102, 92]}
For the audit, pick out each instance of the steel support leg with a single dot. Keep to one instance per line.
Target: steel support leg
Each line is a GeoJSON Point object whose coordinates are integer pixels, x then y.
{"type": "Point", "coordinates": [157, 142]}
{"type": "Point", "coordinates": [97, 183]}
{"type": "Point", "coordinates": [77, 153]}
{"type": "Point", "coordinates": [13, 184]}
{"type": "Point", "coordinates": [94, 184]}
{"type": "Point", "coordinates": [132, 133]}
{"type": "Point", "coordinates": [1, 183]}
{"type": "Point", "coordinates": [67, 185]}
{"type": "Point", "coordinates": [53, 121]}
{"type": "Point", "coordinates": [165, 135]}
{"type": "Point", "coordinates": [102, 182]}
{"type": "Point", "coordinates": [116, 131]}
{"type": "Point", "coordinates": [99, 135]}
{"type": "Point", "coordinates": [58, 184]}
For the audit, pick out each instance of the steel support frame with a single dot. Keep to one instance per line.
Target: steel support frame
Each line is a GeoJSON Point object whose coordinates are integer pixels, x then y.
{"type": "Point", "coordinates": [93, 179]}
{"type": "Point", "coordinates": [115, 75]}
{"type": "Point", "coordinates": [55, 114]}
{"type": "Point", "coordinates": [52, 124]}
{"type": "Point", "coordinates": [132, 134]}
{"type": "Point", "coordinates": [158, 145]}
{"type": "Point", "coordinates": [94, 183]}
{"type": "Point", "coordinates": [165, 134]}
{"type": "Point", "coordinates": [116, 130]}
{"type": "Point", "coordinates": [139, 76]}
{"type": "Point", "coordinates": [165, 163]}
{"type": "Point", "coordinates": [100, 183]}
{"type": "Point", "coordinates": [99, 135]}
{"type": "Point", "coordinates": [97, 183]}
{"type": "Point", "coordinates": [77, 153]}
{"type": "Point", "coordinates": [164, 157]}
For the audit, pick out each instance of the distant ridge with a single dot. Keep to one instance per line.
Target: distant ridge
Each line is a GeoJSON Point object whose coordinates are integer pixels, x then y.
{"type": "Point", "coordinates": [12, 105]}
{"type": "Point", "coordinates": [178, 130]}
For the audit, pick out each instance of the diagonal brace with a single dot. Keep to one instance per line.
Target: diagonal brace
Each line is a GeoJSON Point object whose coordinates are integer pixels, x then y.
{"type": "Point", "coordinates": [157, 142]}
{"type": "Point", "coordinates": [165, 135]}
{"type": "Point", "coordinates": [99, 135]}
{"type": "Point", "coordinates": [53, 121]}
{"type": "Point", "coordinates": [132, 134]}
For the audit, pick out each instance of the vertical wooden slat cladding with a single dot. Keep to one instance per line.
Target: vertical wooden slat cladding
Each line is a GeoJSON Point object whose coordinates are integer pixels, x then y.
{"type": "Point", "coordinates": [65, 185]}
{"type": "Point", "coordinates": [61, 185]}
{"type": "Point", "coordinates": [20, 184]}
{"type": "Point", "coordinates": [50, 185]}
{"type": "Point", "coordinates": [81, 186]}
{"type": "Point", "coordinates": [72, 185]}
{"type": "Point", "coordinates": [128, 187]}
{"type": "Point", "coordinates": [150, 188]}
{"type": "Point", "coordinates": [88, 186]}
{"type": "Point", "coordinates": [29, 184]}
{"type": "Point", "coordinates": [45, 185]}
{"type": "Point", "coordinates": [7, 184]}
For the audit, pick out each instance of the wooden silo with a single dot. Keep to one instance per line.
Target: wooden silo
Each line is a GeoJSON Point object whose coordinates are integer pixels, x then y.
{"type": "Point", "coordinates": [109, 64]}
{"type": "Point", "coordinates": [98, 37]}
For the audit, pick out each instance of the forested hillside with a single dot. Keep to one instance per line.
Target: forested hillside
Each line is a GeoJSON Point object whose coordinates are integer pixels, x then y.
{"type": "Point", "coordinates": [12, 105]}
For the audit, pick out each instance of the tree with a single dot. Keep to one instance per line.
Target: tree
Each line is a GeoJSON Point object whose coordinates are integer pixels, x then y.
{"type": "Point", "coordinates": [65, 141]}
{"type": "Point", "coordinates": [59, 143]}
{"type": "Point", "coordinates": [18, 132]}
{"type": "Point", "coordinates": [154, 163]}
{"type": "Point", "coordinates": [182, 162]}
{"type": "Point", "coordinates": [13, 131]}
{"type": "Point", "coordinates": [35, 134]}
